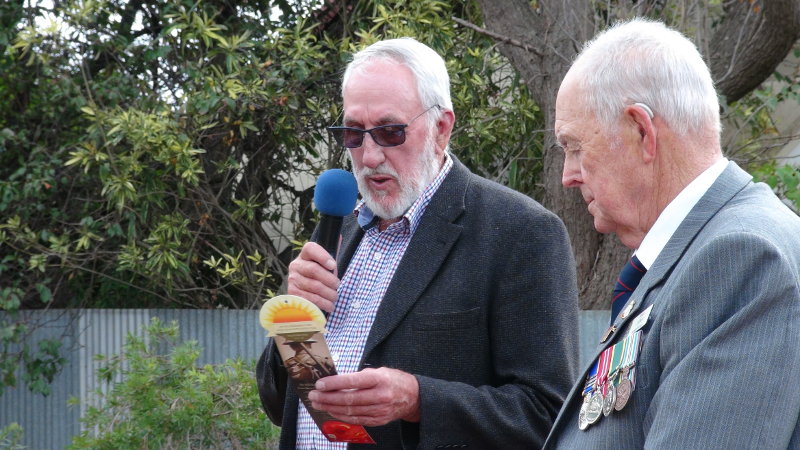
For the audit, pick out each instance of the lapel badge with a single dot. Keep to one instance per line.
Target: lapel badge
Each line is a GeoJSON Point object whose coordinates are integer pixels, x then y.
{"type": "Point", "coordinates": [627, 310]}
{"type": "Point", "coordinates": [608, 333]}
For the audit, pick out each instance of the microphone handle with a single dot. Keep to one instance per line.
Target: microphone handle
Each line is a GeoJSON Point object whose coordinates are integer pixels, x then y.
{"type": "Point", "coordinates": [328, 232]}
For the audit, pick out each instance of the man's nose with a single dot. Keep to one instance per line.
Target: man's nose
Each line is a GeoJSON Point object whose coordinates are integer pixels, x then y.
{"type": "Point", "coordinates": [571, 175]}
{"type": "Point", "coordinates": [373, 153]}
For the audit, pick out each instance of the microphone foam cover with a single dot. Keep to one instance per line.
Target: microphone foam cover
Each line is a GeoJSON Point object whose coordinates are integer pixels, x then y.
{"type": "Point", "coordinates": [336, 193]}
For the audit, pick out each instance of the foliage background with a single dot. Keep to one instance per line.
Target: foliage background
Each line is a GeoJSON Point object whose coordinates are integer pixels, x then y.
{"type": "Point", "coordinates": [149, 149]}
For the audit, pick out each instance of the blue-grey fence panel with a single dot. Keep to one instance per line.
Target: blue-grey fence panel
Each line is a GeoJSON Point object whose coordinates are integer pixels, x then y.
{"type": "Point", "coordinates": [103, 332]}
{"type": "Point", "coordinates": [592, 325]}
{"type": "Point", "coordinates": [223, 334]}
{"type": "Point", "coordinates": [49, 423]}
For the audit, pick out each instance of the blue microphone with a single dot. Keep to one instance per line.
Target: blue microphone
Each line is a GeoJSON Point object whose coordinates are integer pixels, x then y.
{"type": "Point", "coordinates": [334, 197]}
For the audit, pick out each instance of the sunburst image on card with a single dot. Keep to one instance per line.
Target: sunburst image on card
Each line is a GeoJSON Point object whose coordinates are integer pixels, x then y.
{"type": "Point", "coordinates": [290, 314]}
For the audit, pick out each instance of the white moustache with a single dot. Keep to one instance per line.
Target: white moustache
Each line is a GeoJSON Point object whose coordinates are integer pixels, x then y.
{"type": "Point", "coordinates": [380, 170]}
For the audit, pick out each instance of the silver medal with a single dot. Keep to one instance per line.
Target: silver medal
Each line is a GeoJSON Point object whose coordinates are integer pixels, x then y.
{"type": "Point", "coordinates": [609, 399]}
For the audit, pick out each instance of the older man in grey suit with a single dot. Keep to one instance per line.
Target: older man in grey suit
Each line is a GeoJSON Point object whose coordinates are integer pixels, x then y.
{"type": "Point", "coordinates": [453, 324]}
{"type": "Point", "coordinates": [706, 351]}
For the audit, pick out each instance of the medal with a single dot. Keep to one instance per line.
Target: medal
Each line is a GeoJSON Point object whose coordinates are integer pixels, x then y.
{"type": "Point", "coordinates": [603, 370]}
{"type": "Point", "coordinates": [609, 400]}
{"type": "Point", "coordinates": [595, 409]}
{"type": "Point", "coordinates": [610, 382]}
{"type": "Point", "coordinates": [615, 357]}
{"type": "Point", "coordinates": [624, 390]}
{"type": "Point", "coordinates": [588, 391]}
{"type": "Point", "coordinates": [631, 354]}
{"type": "Point", "coordinates": [603, 391]}
{"type": "Point", "coordinates": [608, 385]}
{"type": "Point", "coordinates": [583, 422]}
{"type": "Point", "coordinates": [626, 384]}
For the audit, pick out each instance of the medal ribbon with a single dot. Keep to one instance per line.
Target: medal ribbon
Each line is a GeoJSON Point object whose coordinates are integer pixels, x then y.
{"type": "Point", "coordinates": [590, 379]}
{"type": "Point", "coordinates": [632, 351]}
{"type": "Point", "coordinates": [602, 370]}
{"type": "Point", "coordinates": [617, 355]}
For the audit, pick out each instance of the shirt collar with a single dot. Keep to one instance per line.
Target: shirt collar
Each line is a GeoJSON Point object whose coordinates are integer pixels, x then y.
{"type": "Point", "coordinates": [366, 218]}
{"type": "Point", "coordinates": [677, 210]}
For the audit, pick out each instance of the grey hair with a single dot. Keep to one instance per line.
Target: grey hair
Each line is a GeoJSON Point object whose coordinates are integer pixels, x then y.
{"type": "Point", "coordinates": [645, 61]}
{"type": "Point", "coordinates": [428, 68]}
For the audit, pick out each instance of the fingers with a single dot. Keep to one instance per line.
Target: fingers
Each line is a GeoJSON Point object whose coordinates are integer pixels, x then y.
{"type": "Point", "coordinates": [312, 251]}
{"type": "Point", "coordinates": [365, 379]}
{"type": "Point", "coordinates": [371, 397]}
{"type": "Point", "coordinates": [310, 276]}
{"type": "Point", "coordinates": [370, 416]}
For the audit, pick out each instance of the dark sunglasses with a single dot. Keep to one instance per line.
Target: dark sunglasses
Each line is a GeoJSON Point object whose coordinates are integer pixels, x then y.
{"type": "Point", "coordinates": [390, 135]}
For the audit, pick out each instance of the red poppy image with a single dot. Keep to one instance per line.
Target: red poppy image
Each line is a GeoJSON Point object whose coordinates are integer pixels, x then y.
{"type": "Point", "coordinates": [337, 431]}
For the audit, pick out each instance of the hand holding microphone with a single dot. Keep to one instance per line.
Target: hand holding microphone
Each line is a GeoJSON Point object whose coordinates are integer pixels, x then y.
{"type": "Point", "coordinates": [312, 274]}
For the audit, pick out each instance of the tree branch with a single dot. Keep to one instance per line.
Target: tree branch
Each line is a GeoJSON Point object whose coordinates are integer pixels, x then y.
{"type": "Point", "coordinates": [752, 39]}
{"type": "Point", "coordinates": [497, 36]}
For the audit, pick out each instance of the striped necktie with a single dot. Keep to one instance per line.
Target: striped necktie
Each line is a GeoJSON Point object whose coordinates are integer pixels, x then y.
{"type": "Point", "coordinates": [628, 279]}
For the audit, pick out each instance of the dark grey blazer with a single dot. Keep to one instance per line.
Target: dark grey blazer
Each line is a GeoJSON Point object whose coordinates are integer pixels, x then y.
{"type": "Point", "coordinates": [720, 361]}
{"type": "Point", "coordinates": [483, 311]}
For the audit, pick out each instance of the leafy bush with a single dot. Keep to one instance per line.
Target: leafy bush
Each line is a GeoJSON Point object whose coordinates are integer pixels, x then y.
{"type": "Point", "coordinates": [162, 400]}
{"type": "Point", "coordinates": [784, 180]}
{"type": "Point", "coordinates": [39, 365]}
{"type": "Point", "coordinates": [10, 435]}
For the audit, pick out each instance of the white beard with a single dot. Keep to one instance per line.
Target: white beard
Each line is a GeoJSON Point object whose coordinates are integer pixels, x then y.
{"type": "Point", "coordinates": [411, 186]}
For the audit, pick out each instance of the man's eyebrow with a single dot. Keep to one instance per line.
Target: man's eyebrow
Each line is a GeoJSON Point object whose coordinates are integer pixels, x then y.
{"type": "Point", "coordinates": [386, 120]}
{"type": "Point", "coordinates": [567, 142]}
{"type": "Point", "coordinates": [348, 121]}
{"type": "Point", "coordinates": [389, 120]}
{"type": "Point", "coordinates": [562, 138]}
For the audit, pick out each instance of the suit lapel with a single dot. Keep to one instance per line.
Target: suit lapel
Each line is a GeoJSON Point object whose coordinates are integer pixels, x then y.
{"type": "Point", "coordinates": [730, 182]}
{"type": "Point", "coordinates": [428, 249]}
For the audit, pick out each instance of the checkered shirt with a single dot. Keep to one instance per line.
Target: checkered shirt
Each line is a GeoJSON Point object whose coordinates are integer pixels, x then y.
{"type": "Point", "coordinates": [360, 293]}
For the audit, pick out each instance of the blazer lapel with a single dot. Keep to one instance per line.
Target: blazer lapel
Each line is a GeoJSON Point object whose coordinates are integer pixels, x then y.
{"type": "Point", "coordinates": [730, 182]}
{"type": "Point", "coordinates": [428, 249]}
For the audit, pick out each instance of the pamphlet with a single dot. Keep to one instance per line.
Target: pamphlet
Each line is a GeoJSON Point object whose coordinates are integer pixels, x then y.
{"type": "Point", "coordinates": [297, 326]}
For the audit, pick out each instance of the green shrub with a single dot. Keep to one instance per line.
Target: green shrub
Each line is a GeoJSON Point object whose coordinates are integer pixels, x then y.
{"type": "Point", "coordinates": [164, 401]}
{"type": "Point", "coordinates": [10, 435]}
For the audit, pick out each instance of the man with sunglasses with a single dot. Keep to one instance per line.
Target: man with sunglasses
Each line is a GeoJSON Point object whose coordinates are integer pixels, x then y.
{"type": "Point", "coordinates": [453, 303]}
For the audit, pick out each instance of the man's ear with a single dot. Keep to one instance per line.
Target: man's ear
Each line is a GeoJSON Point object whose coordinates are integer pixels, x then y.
{"type": "Point", "coordinates": [642, 118]}
{"type": "Point", "coordinates": [444, 128]}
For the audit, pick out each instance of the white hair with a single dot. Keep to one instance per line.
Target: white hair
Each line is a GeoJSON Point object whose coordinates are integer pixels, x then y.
{"type": "Point", "coordinates": [427, 67]}
{"type": "Point", "coordinates": [645, 61]}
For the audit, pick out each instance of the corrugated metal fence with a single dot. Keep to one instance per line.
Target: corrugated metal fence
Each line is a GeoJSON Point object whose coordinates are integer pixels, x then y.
{"type": "Point", "coordinates": [49, 423]}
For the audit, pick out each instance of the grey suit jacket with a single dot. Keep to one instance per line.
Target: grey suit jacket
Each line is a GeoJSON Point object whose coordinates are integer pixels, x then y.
{"type": "Point", "coordinates": [719, 365]}
{"type": "Point", "coordinates": [483, 311]}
